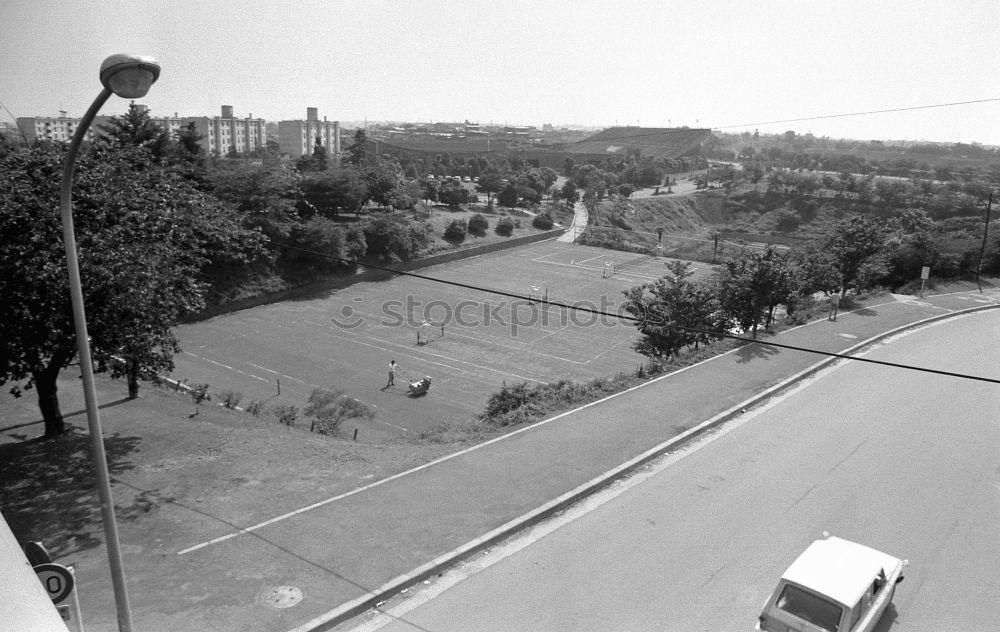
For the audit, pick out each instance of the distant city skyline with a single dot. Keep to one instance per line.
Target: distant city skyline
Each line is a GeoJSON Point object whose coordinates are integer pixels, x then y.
{"type": "Point", "coordinates": [586, 63]}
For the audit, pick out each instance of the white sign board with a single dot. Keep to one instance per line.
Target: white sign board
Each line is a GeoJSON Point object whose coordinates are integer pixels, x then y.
{"type": "Point", "coordinates": [925, 273]}
{"type": "Point", "coordinates": [57, 580]}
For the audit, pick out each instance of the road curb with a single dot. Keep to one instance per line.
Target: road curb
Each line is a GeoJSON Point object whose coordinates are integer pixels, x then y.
{"type": "Point", "coordinates": [394, 586]}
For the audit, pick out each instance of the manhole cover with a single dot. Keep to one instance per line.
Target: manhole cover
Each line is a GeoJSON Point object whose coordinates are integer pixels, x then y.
{"type": "Point", "coordinates": [282, 597]}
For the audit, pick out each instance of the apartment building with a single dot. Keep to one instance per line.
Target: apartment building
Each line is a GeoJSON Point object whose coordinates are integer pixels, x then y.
{"type": "Point", "coordinates": [298, 138]}
{"type": "Point", "coordinates": [53, 128]}
{"type": "Point", "coordinates": [62, 127]}
{"type": "Point", "coordinates": [226, 134]}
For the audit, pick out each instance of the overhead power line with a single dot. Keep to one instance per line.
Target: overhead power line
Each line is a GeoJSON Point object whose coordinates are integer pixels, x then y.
{"type": "Point", "coordinates": [632, 319]}
{"type": "Point", "coordinates": [830, 116]}
{"type": "Point", "coordinates": [668, 131]}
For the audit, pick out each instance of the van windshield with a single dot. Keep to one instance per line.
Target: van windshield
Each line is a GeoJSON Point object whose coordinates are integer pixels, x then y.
{"type": "Point", "coordinates": [810, 607]}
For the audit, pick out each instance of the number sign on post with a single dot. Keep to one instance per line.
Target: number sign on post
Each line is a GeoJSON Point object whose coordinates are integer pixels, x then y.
{"type": "Point", "coordinates": [56, 579]}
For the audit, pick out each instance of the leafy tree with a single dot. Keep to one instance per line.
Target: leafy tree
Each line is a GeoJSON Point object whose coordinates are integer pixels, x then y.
{"type": "Point", "coordinates": [853, 243]}
{"type": "Point", "coordinates": [591, 200]}
{"type": "Point", "coordinates": [674, 312]}
{"type": "Point", "coordinates": [405, 194]}
{"type": "Point", "coordinates": [429, 191]}
{"type": "Point", "coordinates": [323, 245]}
{"type": "Point", "coordinates": [382, 180]}
{"type": "Point", "coordinates": [588, 176]}
{"type": "Point", "coordinates": [394, 237]}
{"type": "Point", "coordinates": [911, 246]}
{"type": "Point", "coordinates": [320, 155]}
{"type": "Point", "coordinates": [508, 196]}
{"type": "Point", "coordinates": [751, 285]}
{"type": "Point", "coordinates": [453, 194]}
{"type": "Point", "coordinates": [568, 167]}
{"type": "Point", "coordinates": [548, 176]}
{"type": "Point", "coordinates": [7, 146]}
{"type": "Point", "coordinates": [489, 183]}
{"type": "Point", "coordinates": [188, 155]}
{"type": "Point", "coordinates": [815, 270]}
{"type": "Point", "coordinates": [356, 151]}
{"type": "Point", "coordinates": [570, 193]}
{"type": "Point", "coordinates": [266, 195]}
{"type": "Point", "coordinates": [135, 127]}
{"type": "Point", "coordinates": [328, 192]}
{"type": "Point", "coordinates": [145, 237]}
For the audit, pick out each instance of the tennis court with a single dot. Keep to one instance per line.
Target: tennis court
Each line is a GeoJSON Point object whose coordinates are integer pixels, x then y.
{"type": "Point", "coordinates": [469, 341]}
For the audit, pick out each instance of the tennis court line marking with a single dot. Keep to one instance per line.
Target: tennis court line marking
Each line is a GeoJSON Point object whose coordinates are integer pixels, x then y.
{"type": "Point", "coordinates": [500, 341]}
{"type": "Point", "coordinates": [226, 366]}
{"type": "Point", "coordinates": [409, 353]}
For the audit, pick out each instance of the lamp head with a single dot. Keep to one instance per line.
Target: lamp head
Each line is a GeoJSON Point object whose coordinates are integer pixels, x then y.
{"type": "Point", "coordinates": [129, 76]}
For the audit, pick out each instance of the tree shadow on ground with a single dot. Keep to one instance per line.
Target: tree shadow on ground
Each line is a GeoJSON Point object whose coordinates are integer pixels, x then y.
{"type": "Point", "coordinates": [864, 311]}
{"type": "Point", "coordinates": [65, 416]}
{"type": "Point", "coordinates": [153, 497]}
{"type": "Point", "coordinates": [754, 351]}
{"type": "Point", "coordinates": [48, 489]}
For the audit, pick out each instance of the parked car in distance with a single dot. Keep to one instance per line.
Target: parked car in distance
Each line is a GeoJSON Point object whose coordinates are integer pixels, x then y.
{"type": "Point", "coordinates": [835, 585]}
{"type": "Point", "coordinates": [466, 179]}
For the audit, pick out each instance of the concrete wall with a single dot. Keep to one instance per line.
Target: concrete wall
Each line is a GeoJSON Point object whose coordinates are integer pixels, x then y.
{"type": "Point", "coordinates": [363, 275]}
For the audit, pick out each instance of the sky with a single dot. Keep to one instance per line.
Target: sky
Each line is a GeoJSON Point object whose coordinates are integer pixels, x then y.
{"type": "Point", "coordinates": [732, 65]}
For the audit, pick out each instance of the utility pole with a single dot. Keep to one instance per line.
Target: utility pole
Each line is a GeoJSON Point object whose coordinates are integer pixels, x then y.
{"type": "Point", "coordinates": [982, 249]}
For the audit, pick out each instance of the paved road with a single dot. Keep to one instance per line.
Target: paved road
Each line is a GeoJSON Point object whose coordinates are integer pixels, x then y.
{"type": "Point", "coordinates": [904, 461]}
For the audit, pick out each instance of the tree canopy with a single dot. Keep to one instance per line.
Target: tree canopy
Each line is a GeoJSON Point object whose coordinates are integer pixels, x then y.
{"type": "Point", "coordinates": [146, 238]}
{"type": "Point", "coordinates": [674, 312]}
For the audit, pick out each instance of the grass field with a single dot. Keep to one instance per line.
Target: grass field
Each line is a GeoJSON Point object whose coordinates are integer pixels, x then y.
{"type": "Point", "coordinates": [345, 339]}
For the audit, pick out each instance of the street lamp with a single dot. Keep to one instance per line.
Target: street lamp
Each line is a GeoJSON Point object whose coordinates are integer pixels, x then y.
{"type": "Point", "coordinates": [128, 76]}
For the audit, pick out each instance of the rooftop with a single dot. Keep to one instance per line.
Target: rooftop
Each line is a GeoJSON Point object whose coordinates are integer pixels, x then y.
{"type": "Point", "coordinates": [840, 569]}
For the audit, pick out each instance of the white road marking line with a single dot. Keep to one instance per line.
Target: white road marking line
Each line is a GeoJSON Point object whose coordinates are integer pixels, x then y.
{"type": "Point", "coordinates": [226, 366]}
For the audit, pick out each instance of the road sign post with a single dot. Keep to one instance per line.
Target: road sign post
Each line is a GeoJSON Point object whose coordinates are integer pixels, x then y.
{"type": "Point", "coordinates": [60, 582]}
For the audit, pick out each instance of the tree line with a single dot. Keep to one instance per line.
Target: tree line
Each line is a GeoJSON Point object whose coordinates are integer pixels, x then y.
{"type": "Point", "coordinates": [677, 312]}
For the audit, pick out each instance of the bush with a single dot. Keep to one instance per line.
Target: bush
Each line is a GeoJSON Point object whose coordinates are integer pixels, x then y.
{"type": "Point", "coordinates": [478, 225]}
{"type": "Point", "coordinates": [255, 408]}
{"type": "Point", "coordinates": [231, 399]}
{"type": "Point", "coordinates": [523, 403]}
{"type": "Point", "coordinates": [543, 221]}
{"type": "Point", "coordinates": [199, 393]}
{"type": "Point", "coordinates": [286, 414]}
{"type": "Point", "coordinates": [329, 408]}
{"type": "Point", "coordinates": [507, 399]}
{"type": "Point", "coordinates": [505, 227]}
{"type": "Point", "coordinates": [455, 233]}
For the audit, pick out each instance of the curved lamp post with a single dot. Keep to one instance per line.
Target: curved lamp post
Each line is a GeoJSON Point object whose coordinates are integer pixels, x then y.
{"type": "Point", "coordinates": [128, 76]}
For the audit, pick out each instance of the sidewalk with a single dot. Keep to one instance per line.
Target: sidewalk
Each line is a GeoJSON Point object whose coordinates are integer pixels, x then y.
{"type": "Point", "coordinates": [345, 556]}
{"type": "Point", "coordinates": [580, 219]}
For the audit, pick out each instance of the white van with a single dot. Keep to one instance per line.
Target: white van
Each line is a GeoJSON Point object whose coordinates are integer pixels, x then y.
{"type": "Point", "coordinates": [834, 586]}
